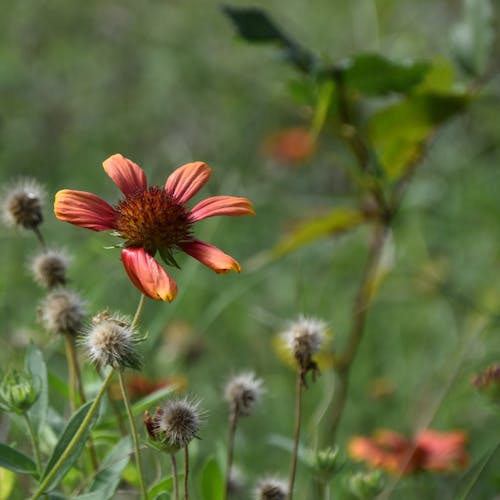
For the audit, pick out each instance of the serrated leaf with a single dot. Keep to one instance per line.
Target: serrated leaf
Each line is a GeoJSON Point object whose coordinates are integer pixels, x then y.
{"type": "Point", "coordinates": [472, 39]}
{"type": "Point", "coordinates": [336, 221]}
{"type": "Point", "coordinates": [212, 481]}
{"type": "Point", "coordinates": [375, 75]}
{"type": "Point", "coordinates": [16, 461]}
{"type": "Point", "coordinates": [399, 131]}
{"type": "Point", "coordinates": [108, 478]}
{"type": "Point", "coordinates": [64, 440]}
{"type": "Point", "coordinates": [35, 364]}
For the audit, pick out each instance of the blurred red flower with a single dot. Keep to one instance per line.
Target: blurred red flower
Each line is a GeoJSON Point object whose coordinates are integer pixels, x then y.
{"type": "Point", "coordinates": [291, 145]}
{"type": "Point", "coordinates": [429, 450]}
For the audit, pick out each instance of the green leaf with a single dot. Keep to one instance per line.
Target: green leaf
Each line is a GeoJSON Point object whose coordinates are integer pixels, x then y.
{"type": "Point", "coordinates": [110, 471]}
{"type": "Point", "coordinates": [151, 399]}
{"type": "Point", "coordinates": [16, 461]}
{"type": "Point", "coordinates": [398, 132]}
{"type": "Point", "coordinates": [212, 481]}
{"type": "Point", "coordinates": [336, 221]}
{"type": "Point", "coordinates": [375, 75]}
{"type": "Point", "coordinates": [7, 480]}
{"type": "Point", "coordinates": [64, 440]}
{"type": "Point", "coordinates": [35, 364]}
{"type": "Point", "coordinates": [164, 486]}
{"type": "Point", "coordinates": [472, 39]}
{"type": "Point", "coordinates": [254, 25]}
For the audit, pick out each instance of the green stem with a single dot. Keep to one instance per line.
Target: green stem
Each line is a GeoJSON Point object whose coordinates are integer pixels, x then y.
{"type": "Point", "coordinates": [233, 419]}
{"type": "Point", "coordinates": [298, 418]}
{"type": "Point", "coordinates": [76, 438]}
{"type": "Point", "coordinates": [133, 431]}
{"type": "Point", "coordinates": [175, 476]}
{"type": "Point", "coordinates": [138, 311]}
{"type": "Point", "coordinates": [34, 441]}
{"type": "Point", "coordinates": [40, 238]}
{"type": "Point", "coordinates": [186, 471]}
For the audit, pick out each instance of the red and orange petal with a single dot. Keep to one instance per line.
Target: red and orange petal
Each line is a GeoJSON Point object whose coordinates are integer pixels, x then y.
{"type": "Point", "coordinates": [84, 209]}
{"type": "Point", "coordinates": [147, 275]}
{"type": "Point", "coordinates": [291, 145]}
{"type": "Point", "coordinates": [127, 175]}
{"type": "Point", "coordinates": [211, 256]}
{"type": "Point", "coordinates": [442, 451]}
{"type": "Point", "coordinates": [221, 205]}
{"type": "Point", "coordinates": [187, 180]}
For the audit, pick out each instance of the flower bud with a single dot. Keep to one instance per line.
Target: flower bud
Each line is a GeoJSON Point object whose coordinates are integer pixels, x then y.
{"type": "Point", "coordinates": [325, 463]}
{"type": "Point", "coordinates": [22, 204]}
{"type": "Point", "coordinates": [112, 342]}
{"type": "Point", "coordinates": [243, 393]}
{"type": "Point", "coordinates": [366, 485]}
{"type": "Point", "coordinates": [62, 312]}
{"type": "Point", "coordinates": [18, 391]}
{"type": "Point", "coordinates": [49, 268]}
{"type": "Point", "coordinates": [271, 489]}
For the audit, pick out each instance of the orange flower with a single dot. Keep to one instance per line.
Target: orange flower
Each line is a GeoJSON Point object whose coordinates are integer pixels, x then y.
{"type": "Point", "coordinates": [291, 145]}
{"type": "Point", "coordinates": [429, 450]}
{"type": "Point", "coordinates": [153, 219]}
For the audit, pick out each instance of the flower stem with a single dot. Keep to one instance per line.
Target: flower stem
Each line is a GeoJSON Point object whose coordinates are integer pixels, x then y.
{"type": "Point", "coordinates": [133, 431]}
{"type": "Point", "coordinates": [79, 433]}
{"type": "Point", "coordinates": [298, 417]}
{"type": "Point", "coordinates": [175, 477]}
{"type": "Point", "coordinates": [138, 312]}
{"type": "Point", "coordinates": [233, 419]}
{"type": "Point", "coordinates": [359, 314]}
{"type": "Point", "coordinates": [34, 441]}
{"type": "Point", "coordinates": [186, 471]}
{"type": "Point", "coordinates": [40, 238]}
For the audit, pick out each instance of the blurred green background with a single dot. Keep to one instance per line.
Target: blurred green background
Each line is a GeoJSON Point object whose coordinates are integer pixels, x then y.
{"type": "Point", "coordinates": [166, 83]}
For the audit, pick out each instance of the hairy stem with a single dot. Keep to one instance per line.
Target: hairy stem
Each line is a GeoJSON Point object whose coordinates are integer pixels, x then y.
{"type": "Point", "coordinates": [175, 476]}
{"type": "Point", "coordinates": [133, 431]}
{"type": "Point", "coordinates": [359, 314]}
{"type": "Point", "coordinates": [298, 418]}
{"type": "Point", "coordinates": [34, 442]}
{"type": "Point", "coordinates": [138, 312]}
{"type": "Point", "coordinates": [76, 437]}
{"type": "Point", "coordinates": [186, 471]}
{"type": "Point", "coordinates": [233, 419]}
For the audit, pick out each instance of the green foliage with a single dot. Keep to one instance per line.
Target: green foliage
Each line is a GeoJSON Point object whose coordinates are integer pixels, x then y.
{"type": "Point", "coordinates": [16, 461]}
{"type": "Point", "coordinates": [212, 481]}
{"type": "Point", "coordinates": [35, 364]}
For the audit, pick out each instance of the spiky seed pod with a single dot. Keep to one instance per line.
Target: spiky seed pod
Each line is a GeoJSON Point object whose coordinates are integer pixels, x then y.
{"type": "Point", "coordinates": [271, 489]}
{"type": "Point", "coordinates": [243, 393]}
{"type": "Point", "coordinates": [179, 422]}
{"type": "Point", "coordinates": [305, 338]}
{"type": "Point", "coordinates": [22, 204]}
{"type": "Point", "coordinates": [111, 341]}
{"type": "Point", "coordinates": [62, 311]}
{"type": "Point", "coordinates": [49, 268]}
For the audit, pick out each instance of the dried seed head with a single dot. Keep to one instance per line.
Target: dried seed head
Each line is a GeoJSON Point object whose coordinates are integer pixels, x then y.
{"type": "Point", "coordinates": [49, 268]}
{"type": "Point", "coordinates": [179, 422]}
{"type": "Point", "coordinates": [243, 393]}
{"type": "Point", "coordinates": [305, 338]}
{"type": "Point", "coordinates": [112, 342]}
{"type": "Point", "coordinates": [236, 485]}
{"type": "Point", "coordinates": [271, 489]}
{"type": "Point", "coordinates": [62, 311]}
{"type": "Point", "coordinates": [22, 204]}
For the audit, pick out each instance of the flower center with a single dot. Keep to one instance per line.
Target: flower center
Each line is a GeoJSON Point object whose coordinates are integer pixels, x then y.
{"type": "Point", "coordinates": [153, 219]}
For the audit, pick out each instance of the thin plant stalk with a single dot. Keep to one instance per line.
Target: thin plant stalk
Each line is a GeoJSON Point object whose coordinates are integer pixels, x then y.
{"type": "Point", "coordinates": [233, 420]}
{"type": "Point", "coordinates": [138, 312]}
{"type": "Point", "coordinates": [78, 435]}
{"type": "Point", "coordinates": [34, 442]}
{"type": "Point", "coordinates": [76, 386]}
{"type": "Point", "coordinates": [40, 238]}
{"type": "Point", "coordinates": [298, 418]}
{"type": "Point", "coordinates": [174, 476]}
{"type": "Point", "coordinates": [186, 471]}
{"type": "Point", "coordinates": [133, 431]}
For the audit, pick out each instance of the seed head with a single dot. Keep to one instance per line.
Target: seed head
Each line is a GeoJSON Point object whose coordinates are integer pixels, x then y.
{"type": "Point", "coordinates": [49, 268]}
{"type": "Point", "coordinates": [112, 342]}
{"type": "Point", "coordinates": [62, 311]}
{"type": "Point", "coordinates": [22, 204]}
{"type": "Point", "coordinates": [305, 338]}
{"type": "Point", "coordinates": [271, 489]}
{"type": "Point", "coordinates": [243, 393]}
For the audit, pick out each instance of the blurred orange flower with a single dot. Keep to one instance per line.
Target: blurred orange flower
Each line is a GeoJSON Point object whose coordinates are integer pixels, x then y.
{"type": "Point", "coordinates": [291, 145]}
{"type": "Point", "coordinates": [139, 386]}
{"type": "Point", "coordinates": [429, 450]}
